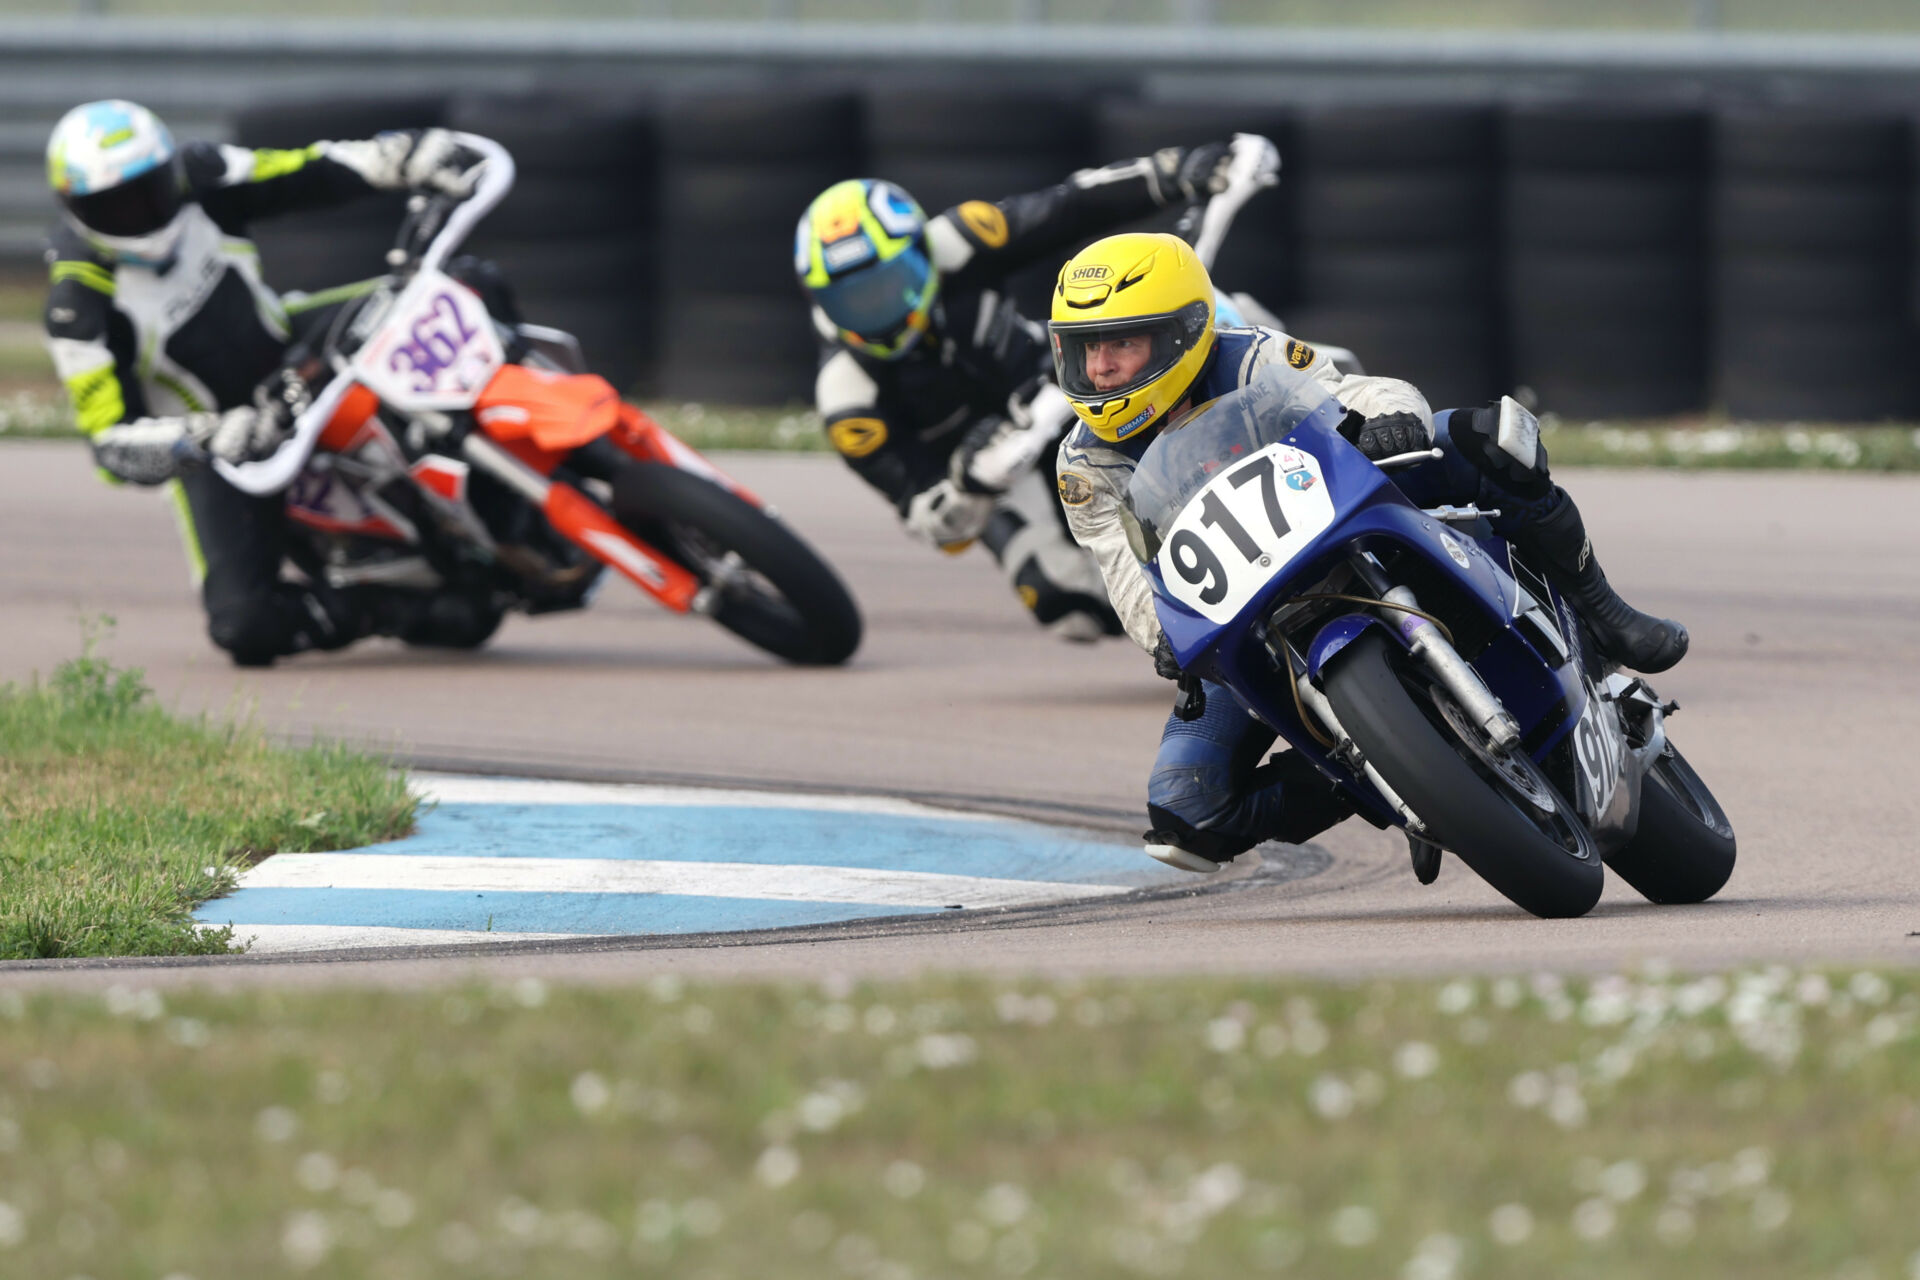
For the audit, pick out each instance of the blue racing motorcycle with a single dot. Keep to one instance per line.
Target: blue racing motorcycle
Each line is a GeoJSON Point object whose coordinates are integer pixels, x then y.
{"type": "Point", "coordinates": [1414, 656]}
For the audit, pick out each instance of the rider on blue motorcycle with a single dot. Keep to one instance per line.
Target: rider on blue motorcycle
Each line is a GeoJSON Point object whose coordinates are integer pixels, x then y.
{"type": "Point", "coordinates": [162, 329]}
{"type": "Point", "coordinates": [1134, 345]}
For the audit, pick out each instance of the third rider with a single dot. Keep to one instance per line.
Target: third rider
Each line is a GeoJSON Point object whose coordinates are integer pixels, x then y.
{"type": "Point", "coordinates": [935, 389]}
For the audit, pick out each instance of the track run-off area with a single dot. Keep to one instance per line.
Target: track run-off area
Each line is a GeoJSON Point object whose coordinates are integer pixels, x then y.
{"type": "Point", "coordinates": [1800, 706]}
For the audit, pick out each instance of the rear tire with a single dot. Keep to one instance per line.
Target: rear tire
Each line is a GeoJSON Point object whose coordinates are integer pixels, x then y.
{"type": "Point", "coordinates": [1683, 849]}
{"type": "Point", "coordinates": [1543, 860]}
{"type": "Point", "coordinates": [791, 603]}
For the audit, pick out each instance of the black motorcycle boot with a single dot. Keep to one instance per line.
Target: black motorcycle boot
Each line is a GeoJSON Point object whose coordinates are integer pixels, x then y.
{"type": "Point", "coordinates": [444, 619]}
{"type": "Point", "coordinates": [1558, 538]}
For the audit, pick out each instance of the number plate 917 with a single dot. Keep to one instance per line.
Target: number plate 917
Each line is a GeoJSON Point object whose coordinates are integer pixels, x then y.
{"type": "Point", "coordinates": [1242, 529]}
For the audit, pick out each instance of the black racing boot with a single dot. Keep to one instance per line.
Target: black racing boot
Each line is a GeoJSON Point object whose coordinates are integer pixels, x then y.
{"type": "Point", "coordinates": [1634, 639]}
{"type": "Point", "coordinates": [444, 619]}
{"type": "Point", "coordinates": [1309, 805]}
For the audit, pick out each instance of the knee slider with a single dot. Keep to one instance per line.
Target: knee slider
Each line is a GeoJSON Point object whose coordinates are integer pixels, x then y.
{"type": "Point", "coordinates": [1477, 434]}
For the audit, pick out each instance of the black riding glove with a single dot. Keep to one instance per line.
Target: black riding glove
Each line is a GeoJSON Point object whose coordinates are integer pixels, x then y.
{"type": "Point", "coordinates": [1165, 665]}
{"type": "Point", "coordinates": [1386, 435]}
{"type": "Point", "coordinates": [1203, 170]}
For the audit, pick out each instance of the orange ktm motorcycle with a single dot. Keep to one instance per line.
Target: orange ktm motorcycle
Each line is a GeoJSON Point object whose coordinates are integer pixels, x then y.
{"type": "Point", "coordinates": [447, 450]}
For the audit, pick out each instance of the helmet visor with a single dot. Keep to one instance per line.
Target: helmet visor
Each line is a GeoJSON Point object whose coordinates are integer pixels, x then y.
{"type": "Point", "coordinates": [137, 207]}
{"type": "Point", "coordinates": [1097, 361]}
{"type": "Point", "coordinates": [878, 302]}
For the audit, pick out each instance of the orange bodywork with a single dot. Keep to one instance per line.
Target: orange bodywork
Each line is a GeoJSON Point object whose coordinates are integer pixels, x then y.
{"type": "Point", "coordinates": [645, 440]}
{"type": "Point", "coordinates": [540, 417]}
{"type": "Point", "coordinates": [581, 519]}
{"type": "Point", "coordinates": [342, 432]}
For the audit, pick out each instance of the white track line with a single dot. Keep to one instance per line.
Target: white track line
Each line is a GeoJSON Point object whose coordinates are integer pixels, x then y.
{"type": "Point", "coordinates": [272, 939]}
{"type": "Point", "coordinates": [456, 789]}
{"type": "Point", "coordinates": [694, 879]}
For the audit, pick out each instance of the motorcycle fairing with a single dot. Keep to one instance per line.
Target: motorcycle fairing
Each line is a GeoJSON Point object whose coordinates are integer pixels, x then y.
{"type": "Point", "coordinates": [554, 412]}
{"type": "Point", "coordinates": [1547, 696]}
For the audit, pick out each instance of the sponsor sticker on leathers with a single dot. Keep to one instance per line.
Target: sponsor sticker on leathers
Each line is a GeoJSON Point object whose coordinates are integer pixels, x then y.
{"type": "Point", "coordinates": [857, 437]}
{"type": "Point", "coordinates": [1075, 489]}
{"type": "Point", "coordinates": [986, 221]}
{"type": "Point", "coordinates": [1299, 354]}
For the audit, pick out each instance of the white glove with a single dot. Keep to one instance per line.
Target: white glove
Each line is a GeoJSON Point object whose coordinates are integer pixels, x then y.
{"type": "Point", "coordinates": [948, 516]}
{"type": "Point", "coordinates": [238, 435]}
{"type": "Point", "coordinates": [439, 163]}
{"type": "Point", "coordinates": [1255, 158]}
{"type": "Point", "coordinates": [1015, 445]}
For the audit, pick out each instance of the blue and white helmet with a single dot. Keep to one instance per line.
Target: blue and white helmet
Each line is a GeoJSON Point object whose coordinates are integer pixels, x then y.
{"type": "Point", "coordinates": [117, 175]}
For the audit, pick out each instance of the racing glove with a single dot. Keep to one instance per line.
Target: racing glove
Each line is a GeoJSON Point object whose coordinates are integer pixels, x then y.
{"type": "Point", "coordinates": [1386, 435]}
{"type": "Point", "coordinates": [410, 159]}
{"type": "Point", "coordinates": [1165, 665]}
{"type": "Point", "coordinates": [439, 163]}
{"type": "Point", "coordinates": [1203, 170]}
{"type": "Point", "coordinates": [154, 450]}
{"type": "Point", "coordinates": [998, 451]}
{"type": "Point", "coordinates": [947, 516]}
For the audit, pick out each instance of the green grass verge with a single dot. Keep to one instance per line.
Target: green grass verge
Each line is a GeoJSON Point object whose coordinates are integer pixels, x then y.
{"type": "Point", "coordinates": [117, 818]}
{"type": "Point", "coordinates": [1816, 447]}
{"type": "Point", "coordinates": [1763, 1124]}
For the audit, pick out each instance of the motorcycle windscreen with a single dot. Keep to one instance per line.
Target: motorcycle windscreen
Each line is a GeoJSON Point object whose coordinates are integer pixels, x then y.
{"type": "Point", "coordinates": [1191, 451]}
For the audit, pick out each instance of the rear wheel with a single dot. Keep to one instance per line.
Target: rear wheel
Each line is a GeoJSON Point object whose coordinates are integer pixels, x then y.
{"type": "Point", "coordinates": [1683, 849]}
{"type": "Point", "coordinates": [1499, 813]}
{"type": "Point", "coordinates": [767, 586]}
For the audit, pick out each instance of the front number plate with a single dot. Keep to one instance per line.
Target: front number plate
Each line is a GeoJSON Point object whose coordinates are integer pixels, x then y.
{"type": "Point", "coordinates": [1242, 529]}
{"type": "Point", "coordinates": [435, 350]}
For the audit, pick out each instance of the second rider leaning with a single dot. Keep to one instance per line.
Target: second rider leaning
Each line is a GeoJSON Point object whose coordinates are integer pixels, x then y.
{"type": "Point", "coordinates": [1135, 345]}
{"type": "Point", "coordinates": [934, 388]}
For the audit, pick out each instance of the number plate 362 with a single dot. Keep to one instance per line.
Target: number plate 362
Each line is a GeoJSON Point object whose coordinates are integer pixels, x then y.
{"type": "Point", "coordinates": [1242, 529]}
{"type": "Point", "coordinates": [435, 350]}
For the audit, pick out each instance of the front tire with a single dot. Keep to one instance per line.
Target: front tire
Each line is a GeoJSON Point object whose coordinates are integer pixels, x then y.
{"type": "Point", "coordinates": [787, 601]}
{"type": "Point", "coordinates": [1507, 822]}
{"type": "Point", "coordinates": [1683, 849]}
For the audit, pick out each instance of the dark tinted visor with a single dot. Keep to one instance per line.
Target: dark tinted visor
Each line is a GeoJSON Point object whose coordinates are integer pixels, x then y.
{"type": "Point", "coordinates": [876, 302]}
{"type": "Point", "coordinates": [1097, 362]}
{"type": "Point", "coordinates": [137, 207]}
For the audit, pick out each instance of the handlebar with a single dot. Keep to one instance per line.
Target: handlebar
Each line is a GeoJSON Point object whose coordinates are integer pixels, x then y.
{"type": "Point", "coordinates": [496, 179]}
{"type": "Point", "coordinates": [1255, 166]}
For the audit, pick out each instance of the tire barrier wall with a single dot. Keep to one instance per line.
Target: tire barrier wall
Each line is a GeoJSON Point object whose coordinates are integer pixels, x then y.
{"type": "Point", "coordinates": [1615, 261]}
{"type": "Point", "coordinates": [1605, 256]}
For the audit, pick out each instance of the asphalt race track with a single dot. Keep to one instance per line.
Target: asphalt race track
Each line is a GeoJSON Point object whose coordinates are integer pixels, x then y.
{"type": "Point", "coordinates": [1801, 706]}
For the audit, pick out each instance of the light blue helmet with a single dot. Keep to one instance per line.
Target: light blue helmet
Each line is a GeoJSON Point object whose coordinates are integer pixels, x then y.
{"type": "Point", "coordinates": [116, 173]}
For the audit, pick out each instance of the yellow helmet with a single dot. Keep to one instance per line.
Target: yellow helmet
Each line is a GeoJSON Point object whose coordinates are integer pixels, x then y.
{"type": "Point", "coordinates": [1147, 288]}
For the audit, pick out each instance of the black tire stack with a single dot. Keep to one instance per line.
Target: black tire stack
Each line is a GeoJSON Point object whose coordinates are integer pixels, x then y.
{"type": "Point", "coordinates": [1256, 258]}
{"type": "Point", "coordinates": [1396, 210]}
{"type": "Point", "coordinates": [1605, 258]}
{"type": "Point", "coordinates": [948, 146]}
{"type": "Point", "coordinates": [737, 171]}
{"type": "Point", "coordinates": [1811, 225]}
{"type": "Point", "coordinates": [575, 237]}
{"type": "Point", "coordinates": [329, 247]}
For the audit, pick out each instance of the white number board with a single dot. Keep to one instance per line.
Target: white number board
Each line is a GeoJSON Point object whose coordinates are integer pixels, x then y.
{"type": "Point", "coordinates": [1242, 529]}
{"type": "Point", "coordinates": [436, 349]}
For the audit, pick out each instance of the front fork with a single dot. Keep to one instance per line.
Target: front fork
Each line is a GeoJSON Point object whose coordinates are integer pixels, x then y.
{"type": "Point", "coordinates": [1432, 650]}
{"type": "Point", "coordinates": [1430, 647]}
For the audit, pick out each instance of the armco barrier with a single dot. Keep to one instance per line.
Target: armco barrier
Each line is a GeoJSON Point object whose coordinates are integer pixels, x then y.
{"type": "Point", "coordinates": [1608, 220]}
